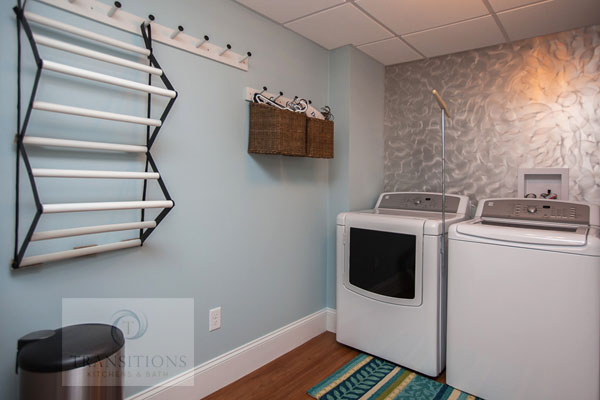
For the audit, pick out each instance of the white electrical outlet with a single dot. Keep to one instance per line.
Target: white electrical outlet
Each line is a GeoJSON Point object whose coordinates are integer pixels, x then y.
{"type": "Point", "coordinates": [214, 319]}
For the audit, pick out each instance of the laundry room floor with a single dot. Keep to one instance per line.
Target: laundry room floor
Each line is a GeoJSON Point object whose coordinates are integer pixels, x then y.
{"type": "Point", "coordinates": [291, 375]}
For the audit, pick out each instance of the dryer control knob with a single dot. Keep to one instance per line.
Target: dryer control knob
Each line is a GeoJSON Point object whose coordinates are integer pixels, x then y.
{"type": "Point", "coordinates": [417, 202]}
{"type": "Point", "coordinates": [531, 209]}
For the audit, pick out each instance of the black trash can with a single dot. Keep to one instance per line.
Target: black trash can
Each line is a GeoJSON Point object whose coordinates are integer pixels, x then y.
{"type": "Point", "coordinates": [78, 362]}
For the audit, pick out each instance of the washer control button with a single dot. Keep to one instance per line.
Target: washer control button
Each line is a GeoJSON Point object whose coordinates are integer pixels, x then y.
{"type": "Point", "coordinates": [532, 209]}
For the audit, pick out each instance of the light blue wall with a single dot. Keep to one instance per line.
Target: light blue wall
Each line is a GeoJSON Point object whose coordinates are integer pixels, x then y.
{"type": "Point", "coordinates": [366, 132]}
{"type": "Point", "coordinates": [249, 232]}
{"type": "Point", "coordinates": [339, 98]}
{"type": "Point", "coordinates": [356, 93]}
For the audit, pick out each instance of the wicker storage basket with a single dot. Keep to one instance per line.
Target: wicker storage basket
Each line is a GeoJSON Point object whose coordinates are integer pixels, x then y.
{"type": "Point", "coordinates": [319, 138]}
{"type": "Point", "coordinates": [274, 131]}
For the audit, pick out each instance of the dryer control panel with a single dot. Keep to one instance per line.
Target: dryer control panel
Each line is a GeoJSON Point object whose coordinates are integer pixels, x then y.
{"type": "Point", "coordinates": [537, 210]}
{"type": "Point", "coordinates": [419, 202]}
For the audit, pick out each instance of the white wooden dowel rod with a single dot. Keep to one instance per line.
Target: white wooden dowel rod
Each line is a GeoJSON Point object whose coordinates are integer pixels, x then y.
{"type": "Point", "coordinates": [82, 51]}
{"type": "Point", "coordinates": [89, 230]}
{"type": "Point", "coordinates": [85, 112]}
{"type": "Point", "coordinates": [81, 144]}
{"type": "Point", "coordinates": [86, 251]}
{"type": "Point", "coordinates": [95, 76]}
{"type": "Point", "coordinates": [72, 173]}
{"type": "Point", "coordinates": [85, 33]}
{"type": "Point", "coordinates": [105, 206]}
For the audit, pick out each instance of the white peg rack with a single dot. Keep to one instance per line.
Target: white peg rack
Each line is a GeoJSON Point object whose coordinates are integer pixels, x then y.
{"type": "Point", "coordinates": [310, 111]}
{"type": "Point", "coordinates": [171, 36]}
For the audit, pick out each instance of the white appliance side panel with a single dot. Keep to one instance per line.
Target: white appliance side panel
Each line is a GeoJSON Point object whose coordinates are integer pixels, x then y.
{"type": "Point", "coordinates": [405, 335]}
{"type": "Point", "coordinates": [523, 324]}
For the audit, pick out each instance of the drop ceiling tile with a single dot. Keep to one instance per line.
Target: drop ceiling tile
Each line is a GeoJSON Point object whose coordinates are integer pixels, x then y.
{"type": "Point", "coordinates": [408, 16]}
{"type": "Point", "coordinates": [286, 10]}
{"type": "Point", "coordinates": [467, 35]}
{"type": "Point", "coordinates": [549, 17]}
{"type": "Point", "coordinates": [339, 26]}
{"type": "Point", "coordinates": [390, 51]}
{"type": "Point", "coordinates": [502, 5]}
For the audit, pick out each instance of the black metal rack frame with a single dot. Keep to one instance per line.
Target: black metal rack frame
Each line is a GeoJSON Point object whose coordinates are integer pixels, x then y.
{"type": "Point", "coordinates": [23, 24]}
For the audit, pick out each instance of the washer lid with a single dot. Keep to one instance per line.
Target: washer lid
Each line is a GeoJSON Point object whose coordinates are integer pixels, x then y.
{"type": "Point", "coordinates": [513, 231]}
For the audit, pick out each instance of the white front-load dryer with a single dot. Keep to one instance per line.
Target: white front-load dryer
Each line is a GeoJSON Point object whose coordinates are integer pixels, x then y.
{"type": "Point", "coordinates": [391, 282]}
{"type": "Point", "coordinates": [524, 301]}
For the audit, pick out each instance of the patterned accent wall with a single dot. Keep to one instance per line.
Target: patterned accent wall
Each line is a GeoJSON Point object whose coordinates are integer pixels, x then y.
{"type": "Point", "coordinates": [531, 103]}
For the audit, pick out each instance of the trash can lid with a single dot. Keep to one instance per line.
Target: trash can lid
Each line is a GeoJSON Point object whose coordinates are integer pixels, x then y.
{"type": "Point", "coordinates": [71, 347]}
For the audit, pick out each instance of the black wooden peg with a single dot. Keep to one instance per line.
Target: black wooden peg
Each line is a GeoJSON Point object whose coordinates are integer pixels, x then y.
{"type": "Point", "coordinates": [201, 42]}
{"type": "Point", "coordinates": [225, 50]}
{"type": "Point", "coordinates": [248, 55]}
{"type": "Point", "coordinates": [149, 19]}
{"type": "Point", "coordinates": [176, 32]}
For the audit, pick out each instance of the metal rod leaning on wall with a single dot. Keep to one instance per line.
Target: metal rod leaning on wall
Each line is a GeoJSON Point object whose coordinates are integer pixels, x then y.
{"type": "Point", "coordinates": [445, 112]}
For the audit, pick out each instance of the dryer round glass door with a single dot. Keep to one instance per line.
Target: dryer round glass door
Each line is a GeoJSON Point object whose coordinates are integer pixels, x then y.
{"type": "Point", "coordinates": [384, 263]}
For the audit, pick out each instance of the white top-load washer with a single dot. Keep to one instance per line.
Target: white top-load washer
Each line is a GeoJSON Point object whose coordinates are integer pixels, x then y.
{"type": "Point", "coordinates": [391, 283]}
{"type": "Point", "coordinates": [524, 301]}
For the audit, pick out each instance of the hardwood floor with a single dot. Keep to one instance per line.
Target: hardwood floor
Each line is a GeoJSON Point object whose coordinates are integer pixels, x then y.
{"type": "Point", "coordinates": [291, 375]}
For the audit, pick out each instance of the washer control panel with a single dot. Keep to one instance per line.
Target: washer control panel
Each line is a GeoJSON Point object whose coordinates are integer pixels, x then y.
{"type": "Point", "coordinates": [418, 201]}
{"type": "Point", "coordinates": [537, 210]}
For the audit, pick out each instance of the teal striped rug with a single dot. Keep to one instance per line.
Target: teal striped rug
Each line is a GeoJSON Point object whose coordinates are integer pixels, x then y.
{"type": "Point", "coordinates": [369, 378]}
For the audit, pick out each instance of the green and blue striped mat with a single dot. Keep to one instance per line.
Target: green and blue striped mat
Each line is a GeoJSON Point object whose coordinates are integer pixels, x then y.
{"type": "Point", "coordinates": [369, 378]}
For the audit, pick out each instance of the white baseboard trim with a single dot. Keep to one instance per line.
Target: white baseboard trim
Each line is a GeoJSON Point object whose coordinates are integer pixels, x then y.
{"type": "Point", "coordinates": [331, 318]}
{"type": "Point", "coordinates": [219, 372]}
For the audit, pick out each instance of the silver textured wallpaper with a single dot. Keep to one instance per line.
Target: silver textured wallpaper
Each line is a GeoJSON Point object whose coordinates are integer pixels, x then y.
{"type": "Point", "coordinates": [532, 103]}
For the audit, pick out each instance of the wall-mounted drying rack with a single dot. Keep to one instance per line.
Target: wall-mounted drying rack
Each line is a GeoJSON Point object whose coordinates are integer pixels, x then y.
{"type": "Point", "coordinates": [296, 104]}
{"type": "Point", "coordinates": [153, 127]}
{"type": "Point", "coordinates": [116, 17]}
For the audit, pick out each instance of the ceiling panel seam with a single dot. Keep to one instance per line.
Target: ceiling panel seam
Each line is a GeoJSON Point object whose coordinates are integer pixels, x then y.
{"type": "Point", "coordinates": [447, 25]}
{"type": "Point", "coordinates": [387, 28]}
{"type": "Point", "coordinates": [497, 20]}
{"type": "Point", "coordinates": [280, 24]}
{"type": "Point", "coordinates": [312, 13]}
